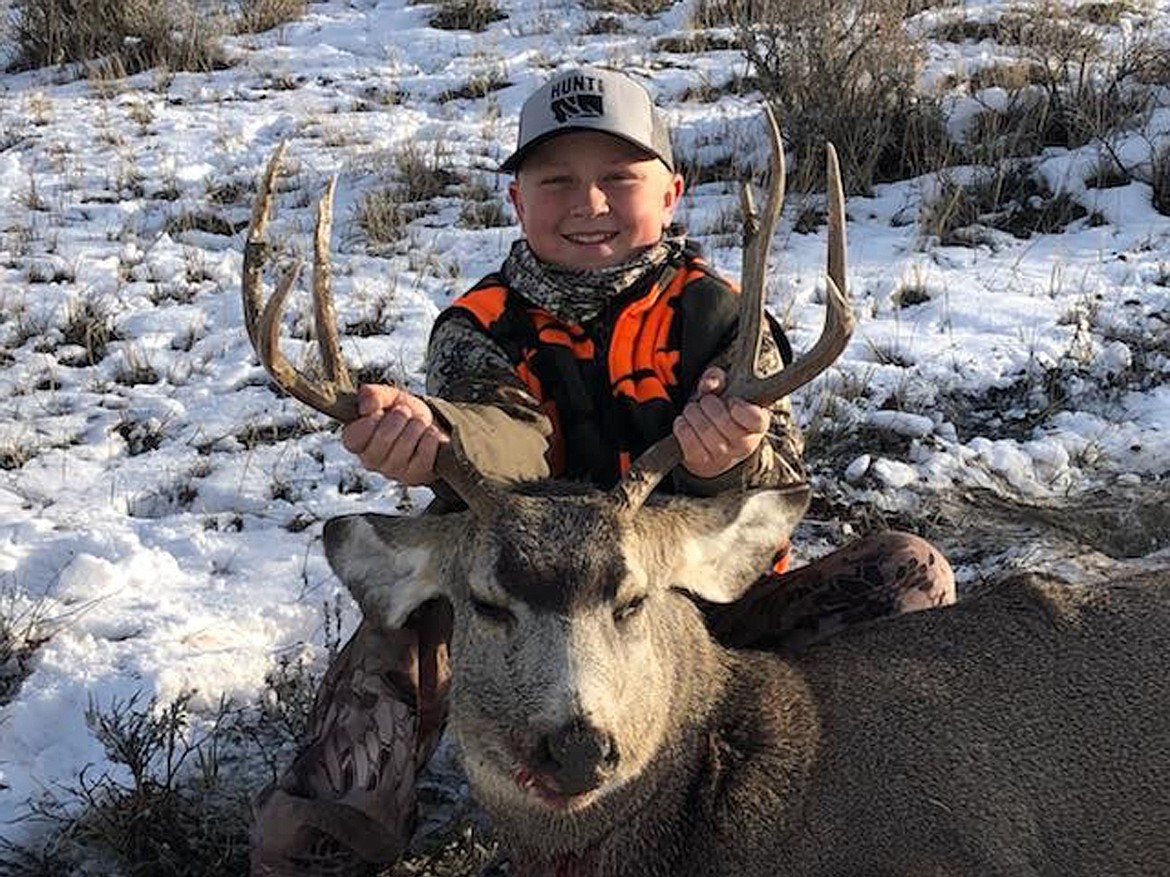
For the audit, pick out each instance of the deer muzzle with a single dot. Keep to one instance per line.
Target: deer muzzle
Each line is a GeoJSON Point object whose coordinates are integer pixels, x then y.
{"type": "Point", "coordinates": [573, 760]}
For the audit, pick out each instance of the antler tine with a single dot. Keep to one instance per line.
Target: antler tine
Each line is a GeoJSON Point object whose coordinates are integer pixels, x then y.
{"type": "Point", "coordinates": [757, 241]}
{"type": "Point", "coordinates": [332, 362]}
{"type": "Point", "coordinates": [333, 395]}
{"type": "Point", "coordinates": [256, 246]}
{"type": "Point", "coordinates": [839, 320]}
{"type": "Point", "coordinates": [744, 380]}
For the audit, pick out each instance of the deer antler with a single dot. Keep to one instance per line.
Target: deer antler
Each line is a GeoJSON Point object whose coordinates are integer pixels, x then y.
{"type": "Point", "coordinates": [332, 394]}
{"type": "Point", "coordinates": [744, 380]}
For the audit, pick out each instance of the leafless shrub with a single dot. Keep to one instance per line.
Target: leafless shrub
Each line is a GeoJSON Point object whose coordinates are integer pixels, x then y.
{"type": "Point", "coordinates": [423, 173]}
{"type": "Point", "coordinates": [605, 24]}
{"type": "Point", "coordinates": [291, 686]}
{"type": "Point", "coordinates": [845, 72]}
{"type": "Point", "coordinates": [13, 455]}
{"type": "Point", "coordinates": [481, 207]}
{"type": "Point", "coordinates": [132, 36]}
{"type": "Point", "coordinates": [484, 214]}
{"type": "Point", "coordinates": [141, 434]}
{"type": "Point", "coordinates": [724, 168]}
{"type": "Point", "coordinates": [420, 175]}
{"type": "Point", "coordinates": [178, 812]}
{"type": "Point", "coordinates": [177, 803]}
{"type": "Point", "coordinates": [707, 91]}
{"type": "Point", "coordinates": [473, 15]}
{"type": "Point", "coordinates": [910, 293]}
{"type": "Point", "coordinates": [1105, 11]}
{"type": "Point", "coordinates": [694, 43]}
{"type": "Point", "coordinates": [1011, 76]}
{"type": "Point", "coordinates": [204, 221]}
{"type": "Point", "coordinates": [379, 318]}
{"type": "Point", "coordinates": [1108, 174]}
{"type": "Point", "coordinates": [383, 215]}
{"type": "Point", "coordinates": [171, 498]}
{"type": "Point", "coordinates": [273, 433]}
{"type": "Point", "coordinates": [722, 13]}
{"type": "Point", "coordinates": [1160, 180]}
{"type": "Point", "coordinates": [1067, 87]}
{"type": "Point", "coordinates": [476, 88]}
{"type": "Point", "coordinates": [1011, 199]}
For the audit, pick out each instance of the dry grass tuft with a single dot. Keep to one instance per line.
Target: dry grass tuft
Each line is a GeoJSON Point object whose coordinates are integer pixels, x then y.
{"type": "Point", "coordinates": [473, 15]}
{"type": "Point", "coordinates": [254, 16]}
{"type": "Point", "coordinates": [113, 39]}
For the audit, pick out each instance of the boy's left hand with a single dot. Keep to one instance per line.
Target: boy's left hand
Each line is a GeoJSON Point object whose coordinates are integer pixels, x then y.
{"type": "Point", "coordinates": [717, 433]}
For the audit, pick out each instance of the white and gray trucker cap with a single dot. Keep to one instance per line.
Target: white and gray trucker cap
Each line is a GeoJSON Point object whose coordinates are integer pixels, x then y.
{"type": "Point", "coordinates": [589, 99]}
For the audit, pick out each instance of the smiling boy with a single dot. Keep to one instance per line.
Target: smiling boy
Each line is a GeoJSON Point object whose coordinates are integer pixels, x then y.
{"type": "Point", "coordinates": [595, 190]}
{"type": "Point", "coordinates": [603, 330]}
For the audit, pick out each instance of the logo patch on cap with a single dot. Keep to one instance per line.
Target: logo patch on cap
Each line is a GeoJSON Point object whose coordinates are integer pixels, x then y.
{"type": "Point", "coordinates": [577, 97]}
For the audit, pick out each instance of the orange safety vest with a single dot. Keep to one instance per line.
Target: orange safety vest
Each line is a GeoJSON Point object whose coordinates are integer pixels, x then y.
{"type": "Point", "coordinates": [613, 386]}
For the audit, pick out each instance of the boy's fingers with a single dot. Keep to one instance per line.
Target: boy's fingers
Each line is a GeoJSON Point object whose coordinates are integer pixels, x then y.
{"type": "Point", "coordinates": [751, 418]}
{"type": "Point", "coordinates": [693, 450]}
{"type": "Point", "coordinates": [401, 454]}
{"type": "Point", "coordinates": [422, 465]}
{"type": "Point", "coordinates": [373, 397]}
{"type": "Point", "coordinates": [714, 420]}
{"type": "Point", "coordinates": [377, 450]}
{"type": "Point", "coordinates": [355, 436]}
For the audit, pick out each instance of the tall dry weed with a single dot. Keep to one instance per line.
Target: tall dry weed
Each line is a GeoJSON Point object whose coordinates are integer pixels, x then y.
{"type": "Point", "coordinates": [845, 72]}
{"type": "Point", "coordinates": [130, 35]}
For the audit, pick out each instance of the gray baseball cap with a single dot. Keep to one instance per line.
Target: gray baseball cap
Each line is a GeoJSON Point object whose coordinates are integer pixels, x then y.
{"type": "Point", "coordinates": [589, 99]}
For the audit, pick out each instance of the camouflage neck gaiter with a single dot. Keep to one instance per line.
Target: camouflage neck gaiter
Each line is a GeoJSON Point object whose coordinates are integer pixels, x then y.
{"type": "Point", "coordinates": [578, 296]}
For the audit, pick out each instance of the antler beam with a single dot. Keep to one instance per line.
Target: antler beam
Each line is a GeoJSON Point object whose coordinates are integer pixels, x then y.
{"type": "Point", "coordinates": [744, 380]}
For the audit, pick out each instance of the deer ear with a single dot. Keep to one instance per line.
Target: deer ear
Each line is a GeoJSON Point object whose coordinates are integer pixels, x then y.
{"type": "Point", "coordinates": [392, 565]}
{"type": "Point", "coordinates": [737, 540]}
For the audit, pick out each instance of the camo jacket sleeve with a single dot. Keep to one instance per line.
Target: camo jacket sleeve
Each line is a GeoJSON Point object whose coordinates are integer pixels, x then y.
{"type": "Point", "coordinates": [471, 384]}
{"type": "Point", "coordinates": [472, 387]}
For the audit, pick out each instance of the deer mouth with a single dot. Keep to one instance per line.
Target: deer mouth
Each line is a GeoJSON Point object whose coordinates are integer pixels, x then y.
{"type": "Point", "coordinates": [545, 789]}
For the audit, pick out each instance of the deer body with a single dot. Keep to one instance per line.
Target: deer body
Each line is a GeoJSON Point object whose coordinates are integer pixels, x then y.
{"type": "Point", "coordinates": [1025, 732]}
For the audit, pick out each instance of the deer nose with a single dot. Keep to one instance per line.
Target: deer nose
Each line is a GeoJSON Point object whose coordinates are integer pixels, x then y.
{"type": "Point", "coordinates": [580, 756]}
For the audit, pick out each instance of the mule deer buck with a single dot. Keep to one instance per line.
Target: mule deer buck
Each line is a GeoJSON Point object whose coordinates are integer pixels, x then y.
{"type": "Point", "coordinates": [1024, 732]}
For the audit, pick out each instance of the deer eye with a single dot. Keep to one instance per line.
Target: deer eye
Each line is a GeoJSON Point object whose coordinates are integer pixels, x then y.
{"type": "Point", "coordinates": [493, 612]}
{"type": "Point", "coordinates": [628, 609]}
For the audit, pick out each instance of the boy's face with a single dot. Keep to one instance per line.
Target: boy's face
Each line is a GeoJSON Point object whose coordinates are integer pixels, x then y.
{"type": "Point", "coordinates": [590, 200]}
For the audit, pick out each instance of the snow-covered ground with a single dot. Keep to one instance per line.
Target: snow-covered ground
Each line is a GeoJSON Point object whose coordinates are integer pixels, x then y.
{"type": "Point", "coordinates": [160, 509]}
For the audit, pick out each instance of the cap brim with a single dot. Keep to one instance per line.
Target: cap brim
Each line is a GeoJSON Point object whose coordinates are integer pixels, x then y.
{"type": "Point", "coordinates": [512, 163]}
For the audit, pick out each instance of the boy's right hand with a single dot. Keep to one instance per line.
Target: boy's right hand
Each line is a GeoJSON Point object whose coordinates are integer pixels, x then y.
{"type": "Point", "coordinates": [396, 434]}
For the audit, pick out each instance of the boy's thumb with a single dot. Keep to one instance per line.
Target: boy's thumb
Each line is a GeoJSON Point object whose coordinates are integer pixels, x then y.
{"type": "Point", "coordinates": [713, 380]}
